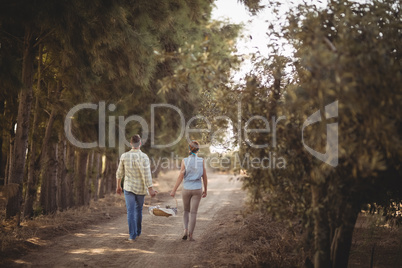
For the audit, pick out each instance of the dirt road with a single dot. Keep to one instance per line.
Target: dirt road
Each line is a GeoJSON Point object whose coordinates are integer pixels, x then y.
{"type": "Point", "coordinates": [160, 245]}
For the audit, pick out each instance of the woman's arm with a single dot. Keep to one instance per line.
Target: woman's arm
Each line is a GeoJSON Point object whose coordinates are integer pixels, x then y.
{"type": "Point", "coordinates": [179, 179]}
{"type": "Point", "coordinates": [204, 180]}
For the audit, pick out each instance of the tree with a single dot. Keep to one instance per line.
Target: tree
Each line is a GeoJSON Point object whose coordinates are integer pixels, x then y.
{"type": "Point", "coordinates": [21, 137]}
{"type": "Point", "coordinates": [203, 68]}
{"type": "Point", "coordinates": [78, 52]}
{"type": "Point", "coordinates": [32, 23]}
{"type": "Point", "coordinates": [347, 55]}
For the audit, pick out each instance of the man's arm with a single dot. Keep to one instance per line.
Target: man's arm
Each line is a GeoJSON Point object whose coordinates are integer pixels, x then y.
{"type": "Point", "coordinates": [148, 178]}
{"type": "Point", "coordinates": [119, 190]}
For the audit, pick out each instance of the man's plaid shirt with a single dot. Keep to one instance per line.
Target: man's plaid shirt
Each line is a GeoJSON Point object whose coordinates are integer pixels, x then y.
{"type": "Point", "coordinates": [135, 168]}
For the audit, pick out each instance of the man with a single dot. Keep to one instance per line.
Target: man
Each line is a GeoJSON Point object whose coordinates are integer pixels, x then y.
{"type": "Point", "coordinates": [135, 168]}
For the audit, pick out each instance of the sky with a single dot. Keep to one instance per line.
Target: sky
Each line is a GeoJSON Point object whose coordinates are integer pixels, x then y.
{"type": "Point", "coordinates": [254, 37]}
{"type": "Point", "coordinates": [255, 27]}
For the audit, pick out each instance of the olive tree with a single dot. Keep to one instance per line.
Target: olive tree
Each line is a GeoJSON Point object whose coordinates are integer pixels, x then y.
{"type": "Point", "coordinates": [347, 81]}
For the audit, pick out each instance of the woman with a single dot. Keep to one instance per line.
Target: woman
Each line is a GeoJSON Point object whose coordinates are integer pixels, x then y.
{"type": "Point", "coordinates": [191, 172]}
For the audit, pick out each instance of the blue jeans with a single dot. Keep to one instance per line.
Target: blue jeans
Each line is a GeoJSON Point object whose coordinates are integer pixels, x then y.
{"type": "Point", "coordinates": [134, 203]}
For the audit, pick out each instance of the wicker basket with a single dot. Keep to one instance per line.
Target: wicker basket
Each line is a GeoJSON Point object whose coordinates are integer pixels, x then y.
{"type": "Point", "coordinates": [164, 212]}
{"type": "Point", "coordinates": [159, 212]}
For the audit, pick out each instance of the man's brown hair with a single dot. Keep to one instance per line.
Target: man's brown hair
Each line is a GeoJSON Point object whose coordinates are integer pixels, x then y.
{"type": "Point", "coordinates": [135, 140]}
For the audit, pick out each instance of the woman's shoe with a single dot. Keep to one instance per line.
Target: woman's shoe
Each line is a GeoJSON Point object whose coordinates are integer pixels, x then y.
{"type": "Point", "coordinates": [184, 235]}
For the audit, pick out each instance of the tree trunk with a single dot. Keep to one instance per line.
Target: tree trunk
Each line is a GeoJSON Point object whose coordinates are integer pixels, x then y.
{"type": "Point", "coordinates": [81, 176]}
{"type": "Point", "coordinates": [10, 151]}
{"type": "Point", "coordinates": [48, 195]}
{"type": "Point", "coordinates": [61, 173]}
{"type": "Point", "coordinates": [113, 176]}
{"type": "Point", "coordinates": [53, 177]}
{"type": "Point", "coordinates": [342, 239]}
{"type": "Point", "coordinates": [108, 172]}
{"type": "Point", "coordinates": [69, 179]}
{"type": "Point", "coordinates": [21, 137]}
{"type": "Point", "coordinates": [43, 198]}
{"type": "Point", "coordinates": [321, 228]}
{"type": "Point", "coordinates": [98, 172]}
{"type": "Point", "coordinates": [110, 176]}
{"type": "Point", "coordinates": [47, 162]}
{"type": "Point", "coordinates": [7, 170]}
{"type": "Point", "coordinates": [32, 169]}
{"type": "Point", "coordinates": [30, 194]}
{"type": "Point", "coordinates": [2, 167]}
{"type": "Point", "coordinates": [48, 159]}
{"type": "Point", "coordinates": [90, 174]}
{"type": "Point", "coordinates": [102, 177]}
{"type": "Point", "coordinates": [48, 181]}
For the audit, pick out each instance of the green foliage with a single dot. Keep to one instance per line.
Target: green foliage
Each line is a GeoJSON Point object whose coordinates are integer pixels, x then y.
{"type": "Point", "coordinates": [99, 50]}
{"type": "Point", "coordinates": [202, 69]}
{"type": "Point", "coordinates": [350, 53]}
